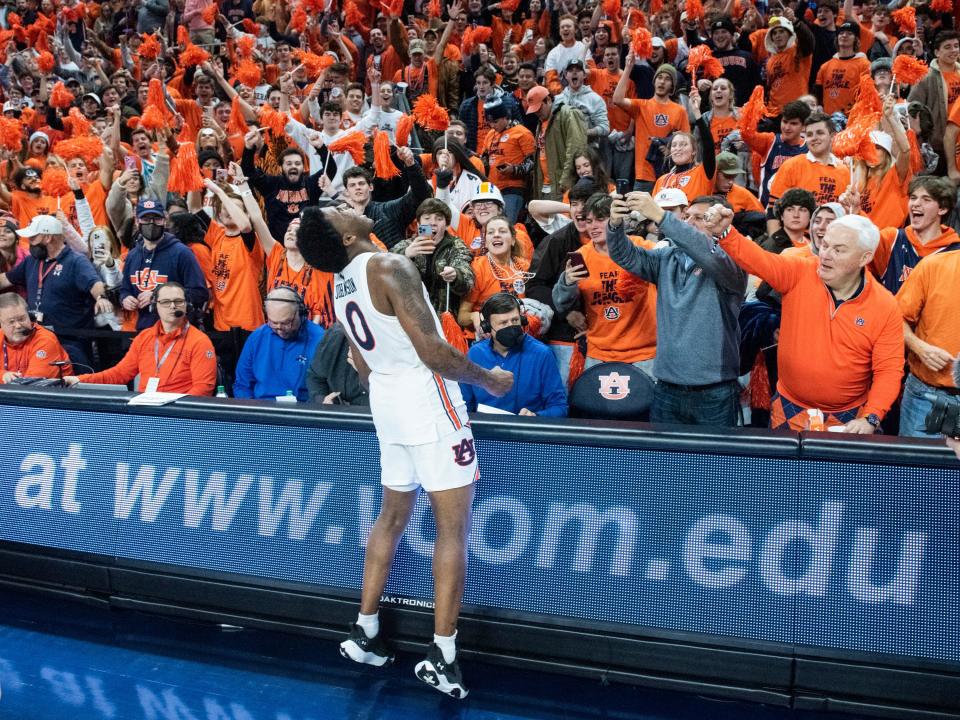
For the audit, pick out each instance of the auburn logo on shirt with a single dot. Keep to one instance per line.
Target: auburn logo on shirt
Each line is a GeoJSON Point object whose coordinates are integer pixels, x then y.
{"type": "Point", "coordinates": [41, 354]}
{"type": "Point", "coordinates": [661, 120]}
{"type": "Point", "coordinates": [147, 279]}
{"type": "Point", "coordinates": [611, 313]}
{"type": "Point", "coordinates": [464, 454]}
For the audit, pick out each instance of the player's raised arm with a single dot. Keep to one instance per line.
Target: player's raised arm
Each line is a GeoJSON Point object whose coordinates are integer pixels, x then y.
{"type": "Point", "coordinates": [403, 288]}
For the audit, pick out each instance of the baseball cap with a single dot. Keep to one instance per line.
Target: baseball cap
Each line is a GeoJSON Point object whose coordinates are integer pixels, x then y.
{"type": "Point", "coordinates": [42, 225]}
{"type": "Point", "coordinates": [535, 97]}
{"type": "Point", "coordinates": [658, 42]}
{"type": "Point", "coordinates": [575, 63]}
{"type": "Point", "coordinates": [723, 23]}
{"type": "Point", "coordinates": [882, 139]}
{"type": "Point", "coordinates": [417, 46]}
{"type": "Point", "coordinates": [11, 106]}
{"type": "Point", "coordinates": [94, 96]}
{"type": "Point", "coordinates": [729, 164]}
{"type": "Point", "coordinates": [39, 136]}
{"type": "Point", "coordinates": [149, 206]}
{"type": "Point", "coordinates": [671, 198]}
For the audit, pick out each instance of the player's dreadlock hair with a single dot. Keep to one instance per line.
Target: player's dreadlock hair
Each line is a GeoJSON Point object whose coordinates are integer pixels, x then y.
{"type": "Point", "coordinates": [321, 234]}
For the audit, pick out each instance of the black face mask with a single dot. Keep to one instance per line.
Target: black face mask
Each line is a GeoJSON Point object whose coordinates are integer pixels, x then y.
{"type": "Point", "coordinates": [509, 336]}
{"type": "Point", "coordinates": [39, 252]}
{"type": "Point", "coordinates": [151, 232]}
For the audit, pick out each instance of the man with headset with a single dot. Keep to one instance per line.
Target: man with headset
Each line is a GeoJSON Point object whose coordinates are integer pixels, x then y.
{"type": "Point", "coordinates": [28, 350]}
{"type": "Point", "coordinates": [277, 355]}
{"type": "Point", "coordinates": [537, 388]}
{"type": "Point", "coordinates": [170, 356]}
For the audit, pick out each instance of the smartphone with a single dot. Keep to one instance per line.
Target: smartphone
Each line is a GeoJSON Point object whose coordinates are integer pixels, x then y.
{"type": "Point", "coordinates": [623, 187]}
{"type": "Point", "coordinates": [130, 163]}
{"type": "Point", "coordinates": [222, 176]}
{"type": "Point", "coordinates": [576, 259]}
{"type": "Point", "coordinates": [425, 231]}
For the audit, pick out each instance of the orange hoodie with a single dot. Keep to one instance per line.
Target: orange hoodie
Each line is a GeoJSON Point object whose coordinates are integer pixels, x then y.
{"type": "Point", "coordinates": [832, 358]}
{"type": "Point", "coordinates": [878, 266]}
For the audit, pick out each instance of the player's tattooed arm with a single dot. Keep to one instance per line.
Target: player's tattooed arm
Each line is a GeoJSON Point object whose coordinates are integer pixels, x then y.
{"type": "Point", "coordinates": [418, 320]}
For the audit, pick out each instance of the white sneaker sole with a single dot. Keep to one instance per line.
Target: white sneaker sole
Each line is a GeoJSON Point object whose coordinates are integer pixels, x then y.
{"type": "Point", "coordinates": [351, 651]}
{"type": "Point", "coordinates": [427, 673]}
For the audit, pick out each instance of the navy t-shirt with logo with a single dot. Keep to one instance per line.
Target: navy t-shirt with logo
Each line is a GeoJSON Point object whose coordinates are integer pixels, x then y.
{"type": "Point", "coordinates": [65, 300]}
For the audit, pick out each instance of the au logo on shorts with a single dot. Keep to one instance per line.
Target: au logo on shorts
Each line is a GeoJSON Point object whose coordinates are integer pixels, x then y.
{"type": "Point", "coordinates": [464, 454]}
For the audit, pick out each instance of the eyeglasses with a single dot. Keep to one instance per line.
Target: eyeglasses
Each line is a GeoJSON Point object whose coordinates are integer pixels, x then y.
{"type": "Point", "coordinates": [179, 302]}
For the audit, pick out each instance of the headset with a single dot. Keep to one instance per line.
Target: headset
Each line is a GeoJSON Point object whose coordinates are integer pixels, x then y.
{"type": "Point", "coordinates": [302, 310]}
{"type": "Point", "coordinates": [152, 308]}
{"type": "Point", "coordinates": [485, 311]}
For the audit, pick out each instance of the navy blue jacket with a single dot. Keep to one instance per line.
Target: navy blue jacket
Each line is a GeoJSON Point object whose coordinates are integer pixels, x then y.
{"type": "Point", "coordinates": [170, 260]}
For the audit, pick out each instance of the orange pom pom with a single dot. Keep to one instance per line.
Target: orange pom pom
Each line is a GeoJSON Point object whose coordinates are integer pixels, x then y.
{"type": "Point", "coordinates": [656, 6]}
{"type": "Point", "coordinates": [53, 182]}
{"type": "Point", "coordinates": [452, 332]}
{"type": "Point", "coordinates": [78, 123]}
{"type": "Point", "coordinates": [156, 98]}
{"type": "Point", "coordinates": [313, 63]}
{"type": "Point", "coordinates": [45, 62]}
{"type": "Point", "coordinates": [245, 46]}
{"type": "Point", "coordinates": [353, 16]}
{"type": "Point", "coordinates": [701, 59]}
{"type": "Point", "coordinates": [578, 362]}
{"type": "Point", "coordinates": [353, 142]}
{"type": "Point", "coordinates": [909, 70]}
{"type": "Point", "coordinates": [152, 119]}
{"type": "Point", "coordinates": [916, 157]}
{"type": "Point", "coordinates": [392, 8]}
{"type": "Point", "coordinates": [11, 134]}
{"type": "Point", "coordinates": [150, 47]}
{"type": "Point", "coordinates": [209, 13]}
{"type": "Point", "coordinates": [642, 43]}
{"type": "Point", "coordinates": [753, 112]}
{"type": "Point", "coordinates": [275, 121]}
{"type": "Point", "coordinates": [251, 27]}
{"type": "Point", "coordinates": [248, 73]}
{"type": "Point", "coordinates": [868, 99]}
{"type": "Point", "coordinates": [60, 97]}
{"type": "Point", "coordinates": [193, 55]}
{"type": "Point", "coordinates": [89, 148]}
{"type": "Point", "coordinates": [133, 122]}
{"type": "Point", "coordinates": [298, 20]}
{"type": "Point", "coordinates": [236, 123]}
{"type": "Point", "coordinates": [906, 19]}
{"type": "Point", "coordinates": [945, 6]}
{"type": "Point", "coordinates": [694, 10]}
{"type": "Point", "coordinates": [851, 141]}
{"type": "Point", "coordinates": [14, 20]}
{"type": "Point", "coordinates": [612, 8]}
{"type": "Point", "coordinates": [27, 117]}
{"type": "Point", "coordinates": [428, 114]}
{"type": "Point", "coordinates": [509, 6]}
{"type": "Point", "coordinates": [183, 35]}
{"type": "Point", "coordinates": [383, 166]}
{"type": "Point", "coordinates": [185, 171]}
{"type": "Point", "coordinates": [404, 128]}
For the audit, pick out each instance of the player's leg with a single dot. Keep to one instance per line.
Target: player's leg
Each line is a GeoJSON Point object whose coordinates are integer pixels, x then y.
{"type": "Point", "coordinates": [450, 486]}
{"type": "Point", "coordinates": [364, 644]}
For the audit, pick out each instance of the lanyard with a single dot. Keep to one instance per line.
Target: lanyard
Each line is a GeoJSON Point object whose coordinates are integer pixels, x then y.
{"type": "Point", "coordinates": [159, 361]}
{"type": "Point", "coordinates": [41, 276]}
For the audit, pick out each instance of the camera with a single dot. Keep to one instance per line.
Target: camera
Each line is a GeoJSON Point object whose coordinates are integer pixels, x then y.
{"type": "Point", "coordinates": [944, 416]}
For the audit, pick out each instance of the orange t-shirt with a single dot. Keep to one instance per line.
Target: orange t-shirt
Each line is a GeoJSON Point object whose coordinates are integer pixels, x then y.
{"type": "Point", "coordinates": [511, 147]}
{"type": "Point", "coordinates": [832, 357]}
{"type": "Point", "coordinates": [313, 286]}
{"type": "Point", "coordinates": [928, 300]}
{"type": "Point", "coordinates": [952, 79]}
{"type": "Point", "coordinates": [235, 280]}
{"type": "Point", "coordinates": [654, 119]}
{"type": "Point", "coordinates": [720, 127]}
{"type": "Point", "coordinates": [26, 206]}
{"type": "Point", "coordinates": [33, 356]}
{"type": "Point", "coordinates": [618, 329]}
{"type": "Point", "coordinates": [742, 199]}
{"type": "Point", "coordinates": [414, 77]}
{"type": "Point", "coordinates": [787, 79]}
{"type": "Point", "coordinates": [840, 80]}
{"type": "Point", "coordinates": [488, 281]}
{"type": "Point", "coordinates": [604, 83]}
{"type": "Point", "coordinates": [884, 201]}
{"type": "Point", "coordinates": [694, 182]}
{"type": "Point", "coordinates": [96, 196]}
{"type": "Point", "coordinates": [826, 182]}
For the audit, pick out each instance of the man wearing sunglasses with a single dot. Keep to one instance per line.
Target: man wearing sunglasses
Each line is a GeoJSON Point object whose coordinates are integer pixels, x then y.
{"type": "Point", "coordinates": [171, 356]}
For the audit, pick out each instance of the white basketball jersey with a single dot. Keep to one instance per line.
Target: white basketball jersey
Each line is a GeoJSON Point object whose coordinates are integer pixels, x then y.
{"type": "Point", "coordinates": [411, 405]}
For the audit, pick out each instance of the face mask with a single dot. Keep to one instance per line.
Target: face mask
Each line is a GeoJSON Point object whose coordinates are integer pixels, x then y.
{"type": "Point", "coordinates": [509, 336]}
{"type": "Point", "coordinates": [38, 252]}
{"type": "Point", "coordinates": [151, 233]}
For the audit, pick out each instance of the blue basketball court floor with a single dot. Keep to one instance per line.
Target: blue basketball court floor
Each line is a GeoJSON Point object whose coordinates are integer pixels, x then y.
{"type": "Point", "coordinates": [67, 660]}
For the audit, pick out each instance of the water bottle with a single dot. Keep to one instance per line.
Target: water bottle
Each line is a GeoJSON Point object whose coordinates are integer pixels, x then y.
{"type": "Point", "coordinates": [288, 397]}
{"type": "Point", "coordinates": [221, 391]}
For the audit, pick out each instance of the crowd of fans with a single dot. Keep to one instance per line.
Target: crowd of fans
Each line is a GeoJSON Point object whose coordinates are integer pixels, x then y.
{"type": "Point", "coordinates": [750, 205]}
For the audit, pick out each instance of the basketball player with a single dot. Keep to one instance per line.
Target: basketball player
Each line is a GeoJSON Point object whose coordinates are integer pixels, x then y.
{"type": "Point", "coordinates": [421, 421]}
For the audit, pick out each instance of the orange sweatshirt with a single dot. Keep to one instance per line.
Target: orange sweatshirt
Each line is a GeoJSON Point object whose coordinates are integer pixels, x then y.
{"type": "Point", "coordinates": [832, 358]}
{"type": "Point", "coordinates": [186, 360]}
{"type": "Point", "coordinates": [33, 356]}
